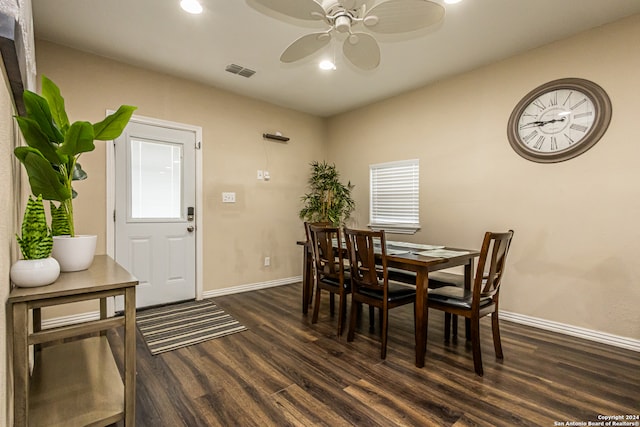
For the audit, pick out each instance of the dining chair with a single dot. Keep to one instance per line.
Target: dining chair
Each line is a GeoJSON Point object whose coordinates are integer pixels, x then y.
{"type": "Point", "coordinates": [370, 283]}
{"type": "Point", "coordinates": [329, 269]}
{"type": "Point", "coordinates": [482, 299]}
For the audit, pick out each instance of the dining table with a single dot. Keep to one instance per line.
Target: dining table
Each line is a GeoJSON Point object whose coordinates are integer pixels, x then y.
{"type": "Point", "coordinates": [420, 259]}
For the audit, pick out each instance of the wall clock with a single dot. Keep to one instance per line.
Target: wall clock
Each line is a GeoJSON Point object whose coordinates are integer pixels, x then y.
{"type": "Point", "coordinates": [559, 120]}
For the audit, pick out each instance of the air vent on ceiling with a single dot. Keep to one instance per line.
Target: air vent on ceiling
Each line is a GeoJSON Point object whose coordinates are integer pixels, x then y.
{"type": "Point", "coordinates": [242, 71]}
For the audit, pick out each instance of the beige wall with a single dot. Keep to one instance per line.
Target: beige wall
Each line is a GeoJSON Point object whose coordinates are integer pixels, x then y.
{"type": "Point", "coordinates": [9, 174]}
{"type": "Point", "coordinates": [237, 237]}
{"type": "Point", "coordinates": [577, 237]}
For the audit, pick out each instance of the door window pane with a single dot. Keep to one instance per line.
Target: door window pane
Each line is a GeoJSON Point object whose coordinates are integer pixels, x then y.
{"type": "Point", "coordinates": [156, 180]}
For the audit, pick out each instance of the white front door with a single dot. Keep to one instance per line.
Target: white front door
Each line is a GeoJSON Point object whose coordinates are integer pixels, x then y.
{"type": "Point", "coordinates": [155, 195]}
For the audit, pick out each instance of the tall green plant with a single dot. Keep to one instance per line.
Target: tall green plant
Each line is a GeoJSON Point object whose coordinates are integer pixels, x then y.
{"type": "Point", "coordinates": [328, 199]}
{"type": "Point", "coordinates": [36, 241]}
{"type": "Point", "coordinates": [54, 145]}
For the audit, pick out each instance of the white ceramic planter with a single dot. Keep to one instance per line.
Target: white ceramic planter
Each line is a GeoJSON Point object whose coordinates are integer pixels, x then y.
{"type": "Point", "coordinates": [74, 253]}
{"type": "Point", "coordinates": [29, 273]}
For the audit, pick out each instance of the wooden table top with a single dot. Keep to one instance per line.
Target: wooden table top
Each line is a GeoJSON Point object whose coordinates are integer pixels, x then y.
{"type": "Point", "coordinates": [104, 274]}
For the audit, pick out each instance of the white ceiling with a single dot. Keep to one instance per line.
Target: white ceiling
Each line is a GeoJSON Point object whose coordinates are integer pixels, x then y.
{"type": "Point", "coordinates": [157, 34]}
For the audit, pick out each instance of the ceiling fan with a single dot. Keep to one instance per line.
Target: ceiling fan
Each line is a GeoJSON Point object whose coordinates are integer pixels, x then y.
{"type": "Point", "coordinates": [345, 16]}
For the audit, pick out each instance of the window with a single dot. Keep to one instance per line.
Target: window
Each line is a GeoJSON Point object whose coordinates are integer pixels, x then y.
{"type": "Point", "coordinates": [395, 196]}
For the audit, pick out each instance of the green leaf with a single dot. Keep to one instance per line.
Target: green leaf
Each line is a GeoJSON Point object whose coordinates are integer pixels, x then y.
{"type": "Point", "coordinates": [51, 93]}
{"type": "Point", "coordinates": [59, 220]}
{"type": "Point", "coordinates": [37, 140]}
{"type": "Point", "coordinates": [38, 110]}
{"type": "Point", "coordinates": [78, 173]}
{"type": "Point", "coordinates": [36, 241]}
{"type": "Point", "coordinates": [43, 178]}
{"type": "Point", "coordinates": [113, 125]}
{"type": "Point", "coordinates": [79, 139]}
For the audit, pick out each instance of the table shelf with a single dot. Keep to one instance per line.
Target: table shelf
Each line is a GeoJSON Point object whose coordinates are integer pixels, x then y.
{"type": "Point", "coordinates": [76, 383]}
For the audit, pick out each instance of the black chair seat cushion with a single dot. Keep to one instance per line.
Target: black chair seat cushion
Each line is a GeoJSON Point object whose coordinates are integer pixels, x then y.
{"type": "Point", "coordinates": [397, 291]}
{"type": "Point", "coordinates": [336, 283]}
{"type": "Point", "coordinates": [456, 296]}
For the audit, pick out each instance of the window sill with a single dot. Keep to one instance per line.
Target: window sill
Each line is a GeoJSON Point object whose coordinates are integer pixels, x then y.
{"type": "Point", "coordinates": [396, 228]}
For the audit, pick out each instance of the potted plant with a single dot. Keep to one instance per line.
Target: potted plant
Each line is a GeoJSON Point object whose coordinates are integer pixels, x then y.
{"type": "Point", "coordinates": [37, 267]}
{"type": "Point", "coordinates": [50, 158]}
{"type": "Point", "coordinates": [328, 200]}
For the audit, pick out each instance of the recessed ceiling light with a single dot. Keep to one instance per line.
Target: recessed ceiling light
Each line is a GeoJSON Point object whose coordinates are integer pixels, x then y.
{"type": "Point", "coordinates": [327, 65]}
{"type": "Point", "coordinates": [191, 6]}
{"type": "Point", "coordinates": [452, 1]}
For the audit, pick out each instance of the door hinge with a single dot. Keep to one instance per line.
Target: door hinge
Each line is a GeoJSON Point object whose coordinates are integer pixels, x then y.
{"type": "Point", "coordinates": [114, 215]}
{"type": "Point", "coordinates": [198, 145]}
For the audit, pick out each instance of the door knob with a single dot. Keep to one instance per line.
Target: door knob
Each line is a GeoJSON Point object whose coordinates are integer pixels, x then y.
{"type": "Point", "coordinates": [190, 228]}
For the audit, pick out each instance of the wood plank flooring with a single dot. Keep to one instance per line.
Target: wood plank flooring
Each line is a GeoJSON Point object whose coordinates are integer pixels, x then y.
{"type": "Point", "coordinates": [284, 371]}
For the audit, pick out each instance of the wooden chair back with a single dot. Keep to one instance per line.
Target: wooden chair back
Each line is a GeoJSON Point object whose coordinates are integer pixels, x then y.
{"type": "Point", "coordinates": [328, 251]}
{"type": "Point", "coordinates": [491, 264]}
{"type": "Point", "coordinates": [362, 247]}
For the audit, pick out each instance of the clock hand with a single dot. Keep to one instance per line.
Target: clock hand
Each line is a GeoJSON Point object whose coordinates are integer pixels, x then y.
{"type": "Point", "coordinates": [536, 123]}
{"type": "Point", "coordinates": [539, 123]}
{"type": "Point", "coordinates": [552, 121]}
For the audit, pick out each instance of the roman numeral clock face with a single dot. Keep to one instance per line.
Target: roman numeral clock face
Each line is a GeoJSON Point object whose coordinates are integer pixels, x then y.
{"type": "Point", "coordinates": [559, 120]}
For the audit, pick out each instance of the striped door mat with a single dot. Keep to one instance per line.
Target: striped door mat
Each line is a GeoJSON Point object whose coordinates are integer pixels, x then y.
{"type": "Point", "coordinates": [180, 325]}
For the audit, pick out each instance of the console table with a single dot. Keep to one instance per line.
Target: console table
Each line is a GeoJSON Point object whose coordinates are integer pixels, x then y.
{"type": "Point", "coordinates": [74, 383]}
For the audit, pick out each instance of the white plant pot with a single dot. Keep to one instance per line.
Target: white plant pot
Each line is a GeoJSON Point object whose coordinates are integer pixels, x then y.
{"type": "Point", "coordinates": [29, 273]}
{"type": "Point", "coordinates": [74, 253]}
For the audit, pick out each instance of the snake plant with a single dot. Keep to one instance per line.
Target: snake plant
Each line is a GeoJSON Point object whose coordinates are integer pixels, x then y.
{"type": "Point", "coordinates": [36, 241]}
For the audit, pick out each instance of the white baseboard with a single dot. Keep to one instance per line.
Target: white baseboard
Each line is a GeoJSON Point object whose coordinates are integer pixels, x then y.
{"type": "Point", "coordinates": [251, 287]}
{"type": "Point", "coordinates": [56, 322]}
{"type": "Point", "coordinates": [574, 331]}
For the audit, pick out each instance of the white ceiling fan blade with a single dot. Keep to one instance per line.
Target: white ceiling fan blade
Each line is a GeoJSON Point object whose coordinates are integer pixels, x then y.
{"type": "Point", "coordinates": [301, 9]}
{"type": "Point", "coordinates": [362, 50]}
{"type": "Point", "coordinates": [399, 16]}
{"type": "Point", "coordinates": [305, 46]}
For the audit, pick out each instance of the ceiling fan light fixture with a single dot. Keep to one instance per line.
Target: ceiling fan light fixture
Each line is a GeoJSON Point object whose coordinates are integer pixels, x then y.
{"type": "Point", "coordinates": [327, 65]}
{"type": "Point", "coordinates": [191, 6]}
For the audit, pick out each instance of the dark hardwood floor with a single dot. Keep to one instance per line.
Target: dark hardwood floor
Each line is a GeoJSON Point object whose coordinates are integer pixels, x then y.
{"type": "Point", "coordinates": [284, 371]}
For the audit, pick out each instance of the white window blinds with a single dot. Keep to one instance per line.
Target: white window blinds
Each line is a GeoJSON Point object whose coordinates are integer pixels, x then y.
{"type": "Point", "coordinates": [395, 196]}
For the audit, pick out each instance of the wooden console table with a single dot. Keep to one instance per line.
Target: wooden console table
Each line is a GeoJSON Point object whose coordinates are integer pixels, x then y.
{"type": "Point", "coordinates": [76, 383]}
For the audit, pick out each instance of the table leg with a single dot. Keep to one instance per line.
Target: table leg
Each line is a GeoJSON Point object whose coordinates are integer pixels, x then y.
{"type": "Point", "coordinates": [103, 313]}
{"type": "Point", "coordinates": [421, 314]}
{"type": "Point", "coordinates": [20, 365]}
{"type": "Point", "coordinates": [37, 326]}
{"type": "Point", "coordinates": [130, 357]}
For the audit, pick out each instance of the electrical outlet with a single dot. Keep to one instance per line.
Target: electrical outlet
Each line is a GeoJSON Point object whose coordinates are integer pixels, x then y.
{"type": "Point", "coordinates": [260, 175]}
{"type": "Point", "coordinates": [267, 261]}
{"type": "Point", "coordinates": [228, 197]}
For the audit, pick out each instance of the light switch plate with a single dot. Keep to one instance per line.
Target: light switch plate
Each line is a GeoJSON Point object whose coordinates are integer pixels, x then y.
{"type": "Point", "coordinates": [228, 197]}
{"type": "Point", "coordinates": [260, 175]}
